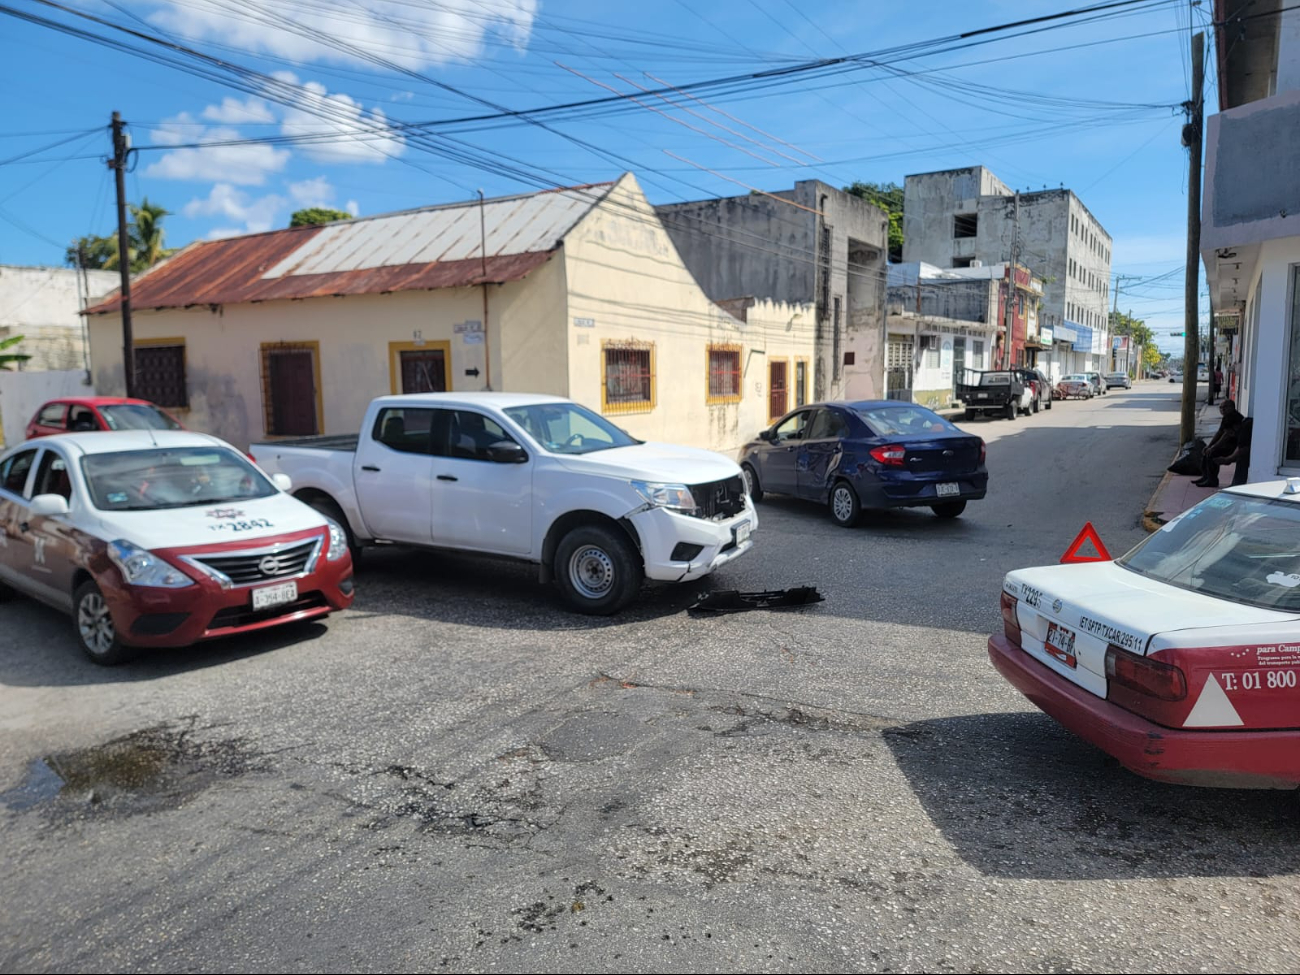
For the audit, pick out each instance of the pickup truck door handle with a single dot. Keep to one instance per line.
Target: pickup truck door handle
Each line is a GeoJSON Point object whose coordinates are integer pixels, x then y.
{"type": "Point", "coordinates": [369, 467]}
{"type": "Point", "coordinates": [447, 477]}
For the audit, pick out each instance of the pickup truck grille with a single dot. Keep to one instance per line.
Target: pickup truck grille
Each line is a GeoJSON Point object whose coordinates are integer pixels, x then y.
{"type": "Point", "coordinates": [720, 499]}
{"type": "Point", "coordinates": [249, 568]}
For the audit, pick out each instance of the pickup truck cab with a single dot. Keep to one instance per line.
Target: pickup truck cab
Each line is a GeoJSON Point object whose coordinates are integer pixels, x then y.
{"type": "Point", "coordinates": [529, 477]}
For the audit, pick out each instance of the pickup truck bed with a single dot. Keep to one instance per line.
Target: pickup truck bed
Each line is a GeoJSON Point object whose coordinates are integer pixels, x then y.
{"type": "Point", "coordinates": [346, 442]}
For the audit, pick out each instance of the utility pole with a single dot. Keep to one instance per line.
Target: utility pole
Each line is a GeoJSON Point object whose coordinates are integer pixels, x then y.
{"type": "Point", "coordinates": [1191, 336]}
{"type": "Point", "coordinates": [1119, 280]}
{"type": "Point", "coordinates": [121, 150]}
{"type": "Point", "coordinates": [1008, 320]}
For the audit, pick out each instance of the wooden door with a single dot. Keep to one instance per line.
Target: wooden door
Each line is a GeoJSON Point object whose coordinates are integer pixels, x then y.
{"type": "Point", "coordinates": [778, 389]}
{"type": "Point", "coordinates": [292, 391]}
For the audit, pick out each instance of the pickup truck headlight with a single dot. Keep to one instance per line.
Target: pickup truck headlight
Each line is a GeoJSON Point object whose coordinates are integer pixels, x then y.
{"type": "Point", "coordinates": [338, 541]}
{"type": "Point", "coordinates": [141, 568]}
{"type": "Point", "coordinates": [674, 497]}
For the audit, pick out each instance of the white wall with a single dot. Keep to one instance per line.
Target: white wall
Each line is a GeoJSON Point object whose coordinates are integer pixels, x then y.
{"type": "Point", "coordinates": [22, 393]}
{"type": "Point", "coordinates": [1269, 348]}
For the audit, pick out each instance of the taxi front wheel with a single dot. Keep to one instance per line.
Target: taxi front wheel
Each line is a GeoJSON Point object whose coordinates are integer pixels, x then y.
{"type": "Point", "coordinates": [94, 627]}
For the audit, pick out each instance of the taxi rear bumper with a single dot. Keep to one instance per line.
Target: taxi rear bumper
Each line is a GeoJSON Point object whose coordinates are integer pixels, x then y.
{"type": "Point", "coordinates": [1223, 759]}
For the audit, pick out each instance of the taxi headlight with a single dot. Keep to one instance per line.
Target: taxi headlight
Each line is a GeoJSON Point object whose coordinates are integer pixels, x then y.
{"type": "Point", "coordinates": [141, 568]}
{"type": "Point", "coordinates": [338, 541]}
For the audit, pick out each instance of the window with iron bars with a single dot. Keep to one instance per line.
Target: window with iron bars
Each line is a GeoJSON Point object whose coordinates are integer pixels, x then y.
{"type": "Point", "coordinates": [160, 375]}
{"type": "Point", "coordinates": [724, 374]}
{"type": "Point", "coordinates": [629, 379]}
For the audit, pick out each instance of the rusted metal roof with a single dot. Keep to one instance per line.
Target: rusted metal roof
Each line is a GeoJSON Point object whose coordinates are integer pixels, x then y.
{"type": "Point", "coordinates": [433, 247]}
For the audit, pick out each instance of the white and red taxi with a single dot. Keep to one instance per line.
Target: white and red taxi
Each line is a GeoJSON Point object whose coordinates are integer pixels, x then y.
{"type": "Point", "coordinates": [1182, 658]}
{"type": "Point", "coordinates": [161, 538]}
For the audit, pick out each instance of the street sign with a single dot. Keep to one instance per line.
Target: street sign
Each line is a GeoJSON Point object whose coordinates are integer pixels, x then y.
{"type": "Point", "coordinates": [1177, 335]}
{"type": "Point", "coordinates": [1089, 534]}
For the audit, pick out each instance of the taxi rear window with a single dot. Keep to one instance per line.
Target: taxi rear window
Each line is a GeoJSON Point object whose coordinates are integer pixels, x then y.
{"type": "Point", "coordinates": [1230, 546]}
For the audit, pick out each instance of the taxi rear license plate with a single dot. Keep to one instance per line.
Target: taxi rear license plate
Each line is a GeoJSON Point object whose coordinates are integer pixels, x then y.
{"type": "Point", "coordinates": [743, 532]}
{"type": "Point", "coordinates": [278, 595]}
{"type": "Point", "coordinates": [1060, 644]}
{"type": "Point", "coordinates": [947, 490]}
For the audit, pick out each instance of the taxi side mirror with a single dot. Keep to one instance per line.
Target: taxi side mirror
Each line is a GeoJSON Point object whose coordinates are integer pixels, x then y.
{"type": "Point", "coordinates": [283, 482]}
{"type": "Point", "coordinates": [49, 505]}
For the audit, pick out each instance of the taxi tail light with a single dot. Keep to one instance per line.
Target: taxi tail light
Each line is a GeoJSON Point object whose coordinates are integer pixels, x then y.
{"type": "Point", "coordinates": [891, 455]}
{"type": "Point", "coordinates": [1144, 675]}
{"type": "Point", "coordinates": [1010, 624]}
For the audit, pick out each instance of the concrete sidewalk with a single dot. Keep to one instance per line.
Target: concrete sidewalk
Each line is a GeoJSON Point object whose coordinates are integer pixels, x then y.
{"type": "Point", "coordinates": [1176, 492]}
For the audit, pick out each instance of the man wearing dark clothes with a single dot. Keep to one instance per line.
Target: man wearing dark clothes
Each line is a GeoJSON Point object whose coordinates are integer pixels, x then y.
{"type": "Point", "coordinates": [1223, 445]}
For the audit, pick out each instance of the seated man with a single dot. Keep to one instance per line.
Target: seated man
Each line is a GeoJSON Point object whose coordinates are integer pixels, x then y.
{"type": "Point", "coordinates": [1223, 446]}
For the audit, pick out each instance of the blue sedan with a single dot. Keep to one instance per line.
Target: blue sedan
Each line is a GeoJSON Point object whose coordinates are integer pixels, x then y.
{"type": "Point", "coordinates": [871, 454]}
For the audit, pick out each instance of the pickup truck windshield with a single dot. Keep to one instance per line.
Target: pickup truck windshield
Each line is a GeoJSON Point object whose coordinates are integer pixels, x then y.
{"type": "Point", "coordinates": [1230, 546]}
{"type": "Point", "coordinates": [567, 428]}
{"type": "Point", "coordinates": [179, 477]}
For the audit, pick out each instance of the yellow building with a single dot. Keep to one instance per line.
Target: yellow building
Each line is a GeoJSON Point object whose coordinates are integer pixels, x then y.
{"type": "Point", "coordinates": [577, 292]}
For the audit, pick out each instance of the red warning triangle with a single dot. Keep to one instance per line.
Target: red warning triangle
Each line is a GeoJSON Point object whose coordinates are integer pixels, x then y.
{"type": "Point", "coordinates": [1089, 534]}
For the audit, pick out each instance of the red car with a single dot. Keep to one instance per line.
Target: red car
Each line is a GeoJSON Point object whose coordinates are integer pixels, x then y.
{"type": "Point", "coordinates": [77, 414]}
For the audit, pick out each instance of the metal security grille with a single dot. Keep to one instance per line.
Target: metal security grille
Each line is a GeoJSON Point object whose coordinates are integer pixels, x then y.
{"type": "Point", "coordinates": [160, 375]}
{"type": "Point", "coordinates": [629, 379]}
{"type": "Point", "coordinates": [777, 381]}
{"type": "Point", "coordinates": [898, 368]}
{"type": "Point", "coordinates": [424, 371]}
{"type": "Point", "coordinates": [724, 374]}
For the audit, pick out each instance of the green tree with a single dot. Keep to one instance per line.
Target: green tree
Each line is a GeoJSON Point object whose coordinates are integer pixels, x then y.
{"type": "Point", "coordinates": [889, 197]}
{"type": "Point", "coordinates": [10, 359]}
{"type": "Point", "coordinates": [145, 235]}
{"type": "Point", "coordinates": [315, 216]}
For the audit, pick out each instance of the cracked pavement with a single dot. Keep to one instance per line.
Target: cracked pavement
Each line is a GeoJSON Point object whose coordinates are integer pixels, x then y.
{"type": "Point", "coordinates": [458, 775]}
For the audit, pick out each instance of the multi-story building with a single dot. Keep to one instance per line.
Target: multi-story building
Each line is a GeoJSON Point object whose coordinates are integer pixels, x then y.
{"type": "Point", "coordinates": [813, 244]}
{"type": "Point", "coordinates": [961, 218]}
{"type": "Point", "coordinates": [1250, 222]}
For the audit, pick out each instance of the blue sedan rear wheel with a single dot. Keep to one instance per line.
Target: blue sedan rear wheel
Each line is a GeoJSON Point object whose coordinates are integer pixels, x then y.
{"type": "Point", "coordinates": [844, 504]}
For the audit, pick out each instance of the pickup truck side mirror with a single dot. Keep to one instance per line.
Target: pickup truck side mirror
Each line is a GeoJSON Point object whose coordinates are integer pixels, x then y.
{"type": "Point", "coordinates": [769, 435]}
{"type": "Point", "coordinates": [507, 452]}
{"type": "Point", "coordinates": [48, 505]}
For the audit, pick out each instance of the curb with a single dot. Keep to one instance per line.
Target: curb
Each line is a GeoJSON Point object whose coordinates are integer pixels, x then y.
{"type": "Point", "coordinates": [1151, 519]}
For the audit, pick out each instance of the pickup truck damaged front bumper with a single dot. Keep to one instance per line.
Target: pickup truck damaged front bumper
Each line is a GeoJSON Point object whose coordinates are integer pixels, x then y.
{"type": "Point", "coordinates": [678, 548]}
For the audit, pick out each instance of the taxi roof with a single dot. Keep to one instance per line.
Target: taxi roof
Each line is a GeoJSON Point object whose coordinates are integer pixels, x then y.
{"type": "Point", "coordinates": [1272, 490]}
{"type": "Point", "coordinates": [107, 442]}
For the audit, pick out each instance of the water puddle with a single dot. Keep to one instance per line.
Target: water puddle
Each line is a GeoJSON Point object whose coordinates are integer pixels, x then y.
{"type": "Point", "coordinates": [155, 768]}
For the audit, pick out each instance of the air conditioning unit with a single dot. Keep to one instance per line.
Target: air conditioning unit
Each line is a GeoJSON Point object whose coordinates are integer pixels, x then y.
{"type": "Point", "coordinates": [977, 263]}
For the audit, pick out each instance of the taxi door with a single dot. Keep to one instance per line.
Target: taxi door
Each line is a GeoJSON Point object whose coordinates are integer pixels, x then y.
{"type": "Point", "coordinates": [44, 548]}
{"type": "Point", "coordinates": [15, 471]}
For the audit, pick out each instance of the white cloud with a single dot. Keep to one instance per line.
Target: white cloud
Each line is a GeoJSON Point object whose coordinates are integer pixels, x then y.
{"type": "Point", "coordinates": [312, 192]}
{"type": "Point", "coordinates": [411, 35]}
{"type": "Point", "coordinates": [255, 213]}
{"type": "Point", "coordinates": [246, 165]}
{"type": "Point", "coordinates": [232, 111]}
{"type": "Point", "coordinates": [353, 207]}
{"type": "Point", "coordinates": [350, 133]}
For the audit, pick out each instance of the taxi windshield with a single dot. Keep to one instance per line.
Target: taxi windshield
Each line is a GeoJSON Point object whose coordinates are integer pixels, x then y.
{"type": "Point", "coordinates": [177, 477]}
{"type": "Point", "coordinates": [1230, 546]}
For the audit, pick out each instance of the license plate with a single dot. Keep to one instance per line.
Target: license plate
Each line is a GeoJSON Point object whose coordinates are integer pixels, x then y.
{"type": "Point", "coordinates": [981, 395]}
{"type": "Point", "coordinates": [947, 490]}
{"type": "Point", "coordinates": [1060, 644]}
{"type": "Point", "coordinates": [278, 595]}
{"type": "Point", "coordinates": [743, 532]}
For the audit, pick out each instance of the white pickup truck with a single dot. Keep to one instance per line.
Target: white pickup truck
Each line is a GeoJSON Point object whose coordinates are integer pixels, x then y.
{"type": "Point", "coordinates": [529, 477]}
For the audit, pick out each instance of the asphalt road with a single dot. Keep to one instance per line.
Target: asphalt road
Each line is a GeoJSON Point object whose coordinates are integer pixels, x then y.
{"type": "Point", "coordinates": [457, 775]}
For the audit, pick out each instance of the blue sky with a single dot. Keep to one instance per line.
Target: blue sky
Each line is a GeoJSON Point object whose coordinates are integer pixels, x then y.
{"type": "Point", "coordinates": [1085, 105]}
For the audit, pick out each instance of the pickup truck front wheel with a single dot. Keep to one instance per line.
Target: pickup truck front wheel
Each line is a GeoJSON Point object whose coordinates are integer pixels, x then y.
{"type": "Point", "coordinates": [598, 570]}
{"type": "Point", "coordinates": [332, 511]}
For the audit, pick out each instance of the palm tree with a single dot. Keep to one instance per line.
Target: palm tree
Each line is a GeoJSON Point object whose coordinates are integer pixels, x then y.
{"type": "Point", "coordinates": [6, 358]}
{"type": "Point", "coordinates": [147, 234]}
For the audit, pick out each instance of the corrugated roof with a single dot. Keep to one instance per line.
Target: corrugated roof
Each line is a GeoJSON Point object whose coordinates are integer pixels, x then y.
{"type": "Point", "coordinates": [433, 247]}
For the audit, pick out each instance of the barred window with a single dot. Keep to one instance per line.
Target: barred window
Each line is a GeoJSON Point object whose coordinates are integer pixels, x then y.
{"type": "Point", "coordinates": [629, 379]}
{"type": "Point", "coordinates": [160, 375]}
{"type": "Point", "coordinates": [724, 374]}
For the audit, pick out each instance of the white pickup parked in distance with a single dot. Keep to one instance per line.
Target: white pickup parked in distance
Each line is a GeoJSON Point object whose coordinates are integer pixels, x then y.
{"type": "Point", "coordinates": [529, 477]}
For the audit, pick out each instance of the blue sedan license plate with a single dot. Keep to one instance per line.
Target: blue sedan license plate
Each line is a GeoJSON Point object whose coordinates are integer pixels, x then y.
{"type": "Point", "coordinates": [947, 490]}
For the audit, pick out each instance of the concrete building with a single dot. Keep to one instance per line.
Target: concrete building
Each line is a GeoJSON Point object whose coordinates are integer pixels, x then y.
{"type": "Point", "coordinates": [576, 292]}
{"type": "Point", "coordinates": [811, 245]}
{"type": "Point", "coordinates": [962, 218]}
{"type": "Point", "coordinates": [1250, 222]}
{"type": "Point", "coordinates": [43, 305]}
{"type": "Point", "coordinates": [943, 321]}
